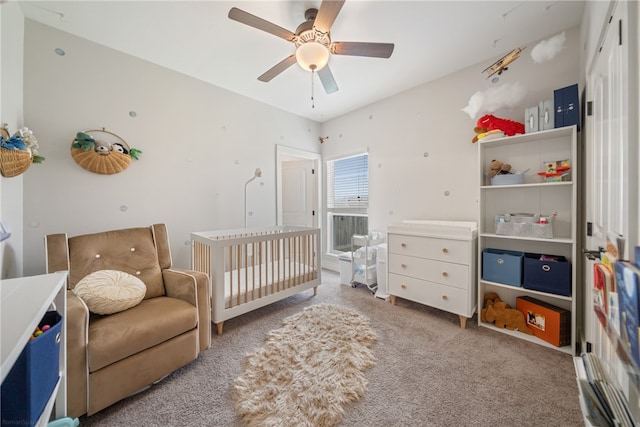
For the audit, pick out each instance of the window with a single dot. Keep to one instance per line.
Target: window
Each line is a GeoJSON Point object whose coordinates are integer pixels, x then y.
{"type": "Point", "coordinates": [347, 200]}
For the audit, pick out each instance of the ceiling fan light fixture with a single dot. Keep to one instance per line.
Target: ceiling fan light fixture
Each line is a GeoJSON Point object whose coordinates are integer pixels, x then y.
{"type": "Point", "coordinates": [312, 56]}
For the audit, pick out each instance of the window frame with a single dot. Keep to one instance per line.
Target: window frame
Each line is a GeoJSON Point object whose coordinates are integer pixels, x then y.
{"type": "Point", "coordinates": [360, 210]}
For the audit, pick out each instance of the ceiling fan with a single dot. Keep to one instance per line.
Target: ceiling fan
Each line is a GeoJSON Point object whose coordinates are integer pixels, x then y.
{"type": "Point", "coordinates": [313, 42]}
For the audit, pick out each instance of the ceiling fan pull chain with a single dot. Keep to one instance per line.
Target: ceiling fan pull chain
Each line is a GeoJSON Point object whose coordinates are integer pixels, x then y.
{"type": "Point", "coordinates": [313, 102]}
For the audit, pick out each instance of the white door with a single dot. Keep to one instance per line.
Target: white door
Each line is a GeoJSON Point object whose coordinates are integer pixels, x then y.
{"type": "Point", "coordinates": [611, 178]}
{"type": "Point", "coordinates": [298, 181]}
{"type": "Point", "coordinates": [298, 185]}
{"type": "Point", "coordinates": [611, 160]}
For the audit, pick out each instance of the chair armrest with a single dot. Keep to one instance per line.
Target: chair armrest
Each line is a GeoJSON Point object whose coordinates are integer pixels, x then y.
{"type": "Point", "coordinates": [193, 287]}
{"type": "Point", "coordinates": [77, 368]}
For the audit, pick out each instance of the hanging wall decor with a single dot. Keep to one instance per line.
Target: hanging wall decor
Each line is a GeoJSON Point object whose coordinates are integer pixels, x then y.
{"type": "Point", "coordinates": [102, 152]}
{"type": "Point", "coordinates": [17, 152]}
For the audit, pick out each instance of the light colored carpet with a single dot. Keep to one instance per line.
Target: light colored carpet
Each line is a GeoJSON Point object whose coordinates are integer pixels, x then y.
{"type": "Point", "coordinates": [428, 372]}
{"type": "Point", "coordinates": [308, 370]}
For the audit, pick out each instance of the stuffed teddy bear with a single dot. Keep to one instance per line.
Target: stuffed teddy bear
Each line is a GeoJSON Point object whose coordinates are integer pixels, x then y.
{"type": "Point", "coordinates": [500, 313]}
{"type": "Point", "coordinates": [496, 167]}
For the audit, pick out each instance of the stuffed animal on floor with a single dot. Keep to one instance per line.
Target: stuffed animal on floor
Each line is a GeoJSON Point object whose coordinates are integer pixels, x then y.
{"type": "Point", "coordinates": [496, 167]}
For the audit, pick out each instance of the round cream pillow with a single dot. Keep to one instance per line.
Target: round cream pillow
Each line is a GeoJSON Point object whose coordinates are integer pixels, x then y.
{"type": "Point", "coordinates": [110, 291]}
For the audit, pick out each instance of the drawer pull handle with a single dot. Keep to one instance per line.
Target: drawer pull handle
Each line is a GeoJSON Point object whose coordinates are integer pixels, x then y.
{"type": "Point", "coordinates": [546, 268]}
{"type": "Point", "coordinates": [403, 265]}
{"type": "Point", "coordinates": [445, 274]}
{"type": "Point", "coordinates": [444, 297]}
{"type": "Point", "coordinates": [445, 250]}
{"type": "Point", "coordinates": [404, 245]}
{"type": "Point", "coordinates": [403, 286]}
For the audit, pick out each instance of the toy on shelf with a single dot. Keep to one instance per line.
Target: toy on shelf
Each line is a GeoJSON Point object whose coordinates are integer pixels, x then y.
{"type": "Point", "coordinates": [555, 170]}
{"type": "Point", "coordinates": [496, 167]}
{"type": "Point", "coordinates": [490, 127]}
{"type": "Point", "coordinates": [503, 174]}
{"type": "Point", "coordinates": [502, 314]}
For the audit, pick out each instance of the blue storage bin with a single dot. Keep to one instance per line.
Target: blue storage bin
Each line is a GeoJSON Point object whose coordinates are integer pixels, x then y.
{"type": "Point", "coordinates": [28, 386]}
{"type": "Point", "coordinates": [502, 266]}
{"type": "Point", "coordinates": [566, 104]}
{"type": "Point", "coordinates": [553, 277]}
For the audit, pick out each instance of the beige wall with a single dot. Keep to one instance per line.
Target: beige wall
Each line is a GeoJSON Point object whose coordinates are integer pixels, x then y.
{"type": "Point", "coordinates": [11, 189]}
{"type": "Point", "coordinates": [422, 162]}
{"type": "Point", "coordinates": [200, 145]}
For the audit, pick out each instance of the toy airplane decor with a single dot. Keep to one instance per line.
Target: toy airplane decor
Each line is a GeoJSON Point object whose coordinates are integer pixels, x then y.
{"type": "Point", "coordinates": [502, 64]}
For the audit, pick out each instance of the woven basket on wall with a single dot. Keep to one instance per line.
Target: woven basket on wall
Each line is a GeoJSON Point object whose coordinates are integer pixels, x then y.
{"type": "Point", "coordinates": [104, 164]}
{"type": "Point", "coordinates": [14, 162]}
{"type": "Point", "coordinates": [97, 163]}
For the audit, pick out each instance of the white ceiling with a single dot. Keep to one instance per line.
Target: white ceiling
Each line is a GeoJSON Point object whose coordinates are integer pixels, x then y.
{"type": "Point", "coordinates": [432, 39]}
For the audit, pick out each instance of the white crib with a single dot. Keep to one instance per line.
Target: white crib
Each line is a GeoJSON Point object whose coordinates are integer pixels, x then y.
{"type": "Point", "coordinates": [251, 268]}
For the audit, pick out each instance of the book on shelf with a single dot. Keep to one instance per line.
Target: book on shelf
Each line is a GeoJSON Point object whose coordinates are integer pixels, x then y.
{"type": "Point", "coordinates": [628, 286]}
{"type": "Point", "coordinates": [603, 285]}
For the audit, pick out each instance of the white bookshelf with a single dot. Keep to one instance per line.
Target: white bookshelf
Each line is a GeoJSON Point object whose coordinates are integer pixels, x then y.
{"type": "Point", "coordinates": [24, 301]}
{"type": "Point", "coordinates": [531, 151]}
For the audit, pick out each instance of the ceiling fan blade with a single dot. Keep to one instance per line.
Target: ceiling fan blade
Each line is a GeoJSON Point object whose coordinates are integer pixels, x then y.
{"type": "Point", "coordinates": [377, 50]}
{"type": "Point", "coordinates": [326, 77]}
{"type": "Point", "coordinates": [278, 68]}
{"type": "Point", "coordinates": [259, 23]}
{"type": "Point", "coordinates": [327, 13]}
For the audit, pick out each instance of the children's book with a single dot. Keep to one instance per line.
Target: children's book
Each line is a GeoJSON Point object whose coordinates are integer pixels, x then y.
{"type": "Point", "coordinates": [603, 285]}
{"type": "Point", "coordinates": [628, 286]}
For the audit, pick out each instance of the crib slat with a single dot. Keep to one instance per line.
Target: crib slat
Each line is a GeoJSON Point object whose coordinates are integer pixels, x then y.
{"type": "Point", "coordinates": [231, 264]}
{"type": "Point", "coordinates": [238, 267]}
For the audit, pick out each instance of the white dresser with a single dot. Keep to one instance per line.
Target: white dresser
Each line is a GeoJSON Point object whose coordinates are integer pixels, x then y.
{"type": "Point", "coordinates": [434, 263]}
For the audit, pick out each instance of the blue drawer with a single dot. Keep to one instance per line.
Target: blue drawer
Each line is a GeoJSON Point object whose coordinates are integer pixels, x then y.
{"type": "Point", "coordinates": [502, 266]}
{"type": "Point", "coordinates": [28, 386]}
{"type": "Point", "coordinates": [549, 276]}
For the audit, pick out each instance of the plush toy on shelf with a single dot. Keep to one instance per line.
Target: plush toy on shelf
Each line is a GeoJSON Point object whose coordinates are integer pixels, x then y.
{"type": "Point", "coordinates": [496, 167]}
{"type": "Point", "coordinates": [499, 312]}
{"type": "Point", "coordinates": [490, 126]}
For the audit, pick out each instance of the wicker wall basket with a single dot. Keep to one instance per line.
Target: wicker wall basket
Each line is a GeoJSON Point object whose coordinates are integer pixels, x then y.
{"type": "Point", "coordinates": [14, 162]}
{"type": "Point", "coordinates": [97, 163]}
{"type": "Point", "coordinates": [106, 163]}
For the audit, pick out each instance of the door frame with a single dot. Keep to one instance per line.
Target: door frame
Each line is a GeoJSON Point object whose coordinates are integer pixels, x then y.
{"type": "Point", "coordinates": [284, 153]}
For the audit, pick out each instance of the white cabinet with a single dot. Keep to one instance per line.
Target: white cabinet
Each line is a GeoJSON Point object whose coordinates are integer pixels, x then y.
{"type": "Point", "coordinates": [433, 263]}
{"type": "Point", "coordinates": [531, 151]}
{"type": "Point", "coordinates": [24, 302]}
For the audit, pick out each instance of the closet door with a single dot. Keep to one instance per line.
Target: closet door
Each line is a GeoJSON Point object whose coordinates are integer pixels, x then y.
{"type": "Point", "coordinates": [612, 179]}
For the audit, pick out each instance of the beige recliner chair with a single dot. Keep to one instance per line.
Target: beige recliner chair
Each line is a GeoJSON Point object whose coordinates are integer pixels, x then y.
{"type": "Point", "coordinates": [110, 357]}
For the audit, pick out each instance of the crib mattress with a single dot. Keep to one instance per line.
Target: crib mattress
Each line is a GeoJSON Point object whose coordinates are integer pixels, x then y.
{"type": "Point", "coordinates": [254, 282]}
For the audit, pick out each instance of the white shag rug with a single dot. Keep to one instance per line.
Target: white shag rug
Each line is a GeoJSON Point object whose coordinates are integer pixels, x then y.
{"type": "Point", "coordinates": [308, 370]}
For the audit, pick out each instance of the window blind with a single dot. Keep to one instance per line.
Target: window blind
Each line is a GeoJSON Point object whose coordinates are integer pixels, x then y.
{"type": "Point", "coordinates": [348, 182]}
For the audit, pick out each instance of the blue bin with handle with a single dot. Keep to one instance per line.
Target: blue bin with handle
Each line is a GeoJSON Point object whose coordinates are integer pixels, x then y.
{"type": "Point", "coordinates": [502, 266]}
{"type": "Point", "coordinates": [30, 382]}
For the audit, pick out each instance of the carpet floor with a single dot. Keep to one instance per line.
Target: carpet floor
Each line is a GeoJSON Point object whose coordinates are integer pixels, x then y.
{"type": "Point", "coordinates": [429, 372]}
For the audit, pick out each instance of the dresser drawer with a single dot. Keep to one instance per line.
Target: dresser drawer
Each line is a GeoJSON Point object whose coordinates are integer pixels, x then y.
{"type": "Point", "coordinates": [446, 273]}
{"type": "Point", "coordinates": [453, 300]}
{"type": "Point", "coordinates": [430, 247]}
